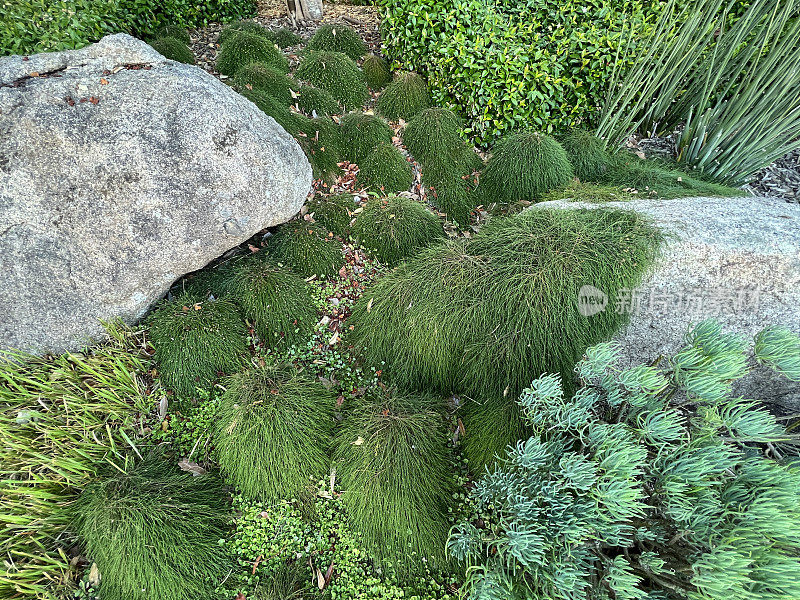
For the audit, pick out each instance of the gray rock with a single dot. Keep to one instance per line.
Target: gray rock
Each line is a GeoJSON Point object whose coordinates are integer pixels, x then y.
{"type": "Point", "coordinates": [733, 259]}
{"type": "Point", "coordinates": [120, 171]}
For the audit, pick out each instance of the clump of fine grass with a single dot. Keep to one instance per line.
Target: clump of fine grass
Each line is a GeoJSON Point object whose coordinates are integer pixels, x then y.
{"type": "Point", "coordinates": [337, 74]}
{"type": "Point", "coordinates": [490, 427]}
{"type": "Point", "coordinates": [396, 227]}
{"type": "Point", "coordinates": [285, 37]}
{"type": "Point", "coordinates": [376, 71]}
{"type": "Point", "coordinates": [196, 341]}
{"type": "Point", "coordinates": [277, 301]}
{"type": "Point", "coordinates": [250, 27]}
{"type": "Point", "coordinates": [288, 582]}
{"type": "Point", "coordinates": [276, 109]}
{"type": "Point", "coordinates": [455, 197]}
{"type": "Point", "coordinates": [154, 531]}
{"type": "Point", "coordinates": [173, 49]}
{"type": "Point", "coordinates": [391, 460]}
{"type": "Point", "coordinates": [433, 138]}
{"type": "Point", "coordinates": [404, 97]}
{"type": "Point", "coordinates": [308, 248]}
{"type": "Point", "coordinates": [336, 37]}
{"type": "Point", "coordinates": [487, 315]}
{"type": "Point", "coordinates": [244, 48]}
{"type": "Point", "coordinates": [335, 213]}
{"type": "Point", "coordinates": [266, 78]}
{"type": "Point", "coordinates": [386, 169]}
{"type": "Point", "coordinates": [174, 31]}
{"type": "Point", "coordinates": [586, 154]}
{"type": "Point", "coordinates": [524, 166]}
{"type": "Point", "coordinates": [273, 431]}
{"type": "Point", "coordinates": [361, 134]}
{"type": "Point", "coordinates": [320, 139]}
{"type": "Point", "coordinates": [313, 100]}
{"type": "Point", "coordinates": [578, 191]}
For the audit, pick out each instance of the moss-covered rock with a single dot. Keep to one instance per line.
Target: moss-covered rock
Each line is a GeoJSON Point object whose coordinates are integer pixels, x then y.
{"type": "Point", "coordinates": [337, 74]}
{"type": "Point", "coordinates": [336, 37]}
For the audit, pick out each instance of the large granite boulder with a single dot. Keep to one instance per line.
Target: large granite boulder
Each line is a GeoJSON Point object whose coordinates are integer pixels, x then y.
{"type": "Point", "coordinates": [120, 171]}
{"type": "Point", "coordinates": [733, 259]}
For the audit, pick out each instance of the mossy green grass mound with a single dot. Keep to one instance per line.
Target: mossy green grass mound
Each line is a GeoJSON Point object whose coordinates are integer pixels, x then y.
{"type": "Point", "coordinates": [361, 134]}
{"type": "Point", "coordinates": [320, 139]}
{"type": "Point", "coordinates": [386, 170]}
{"type": "Point", "coordinates": [578, 191]}
{"type": "Point", "coordinates": [285, 37]}
{"type": "Point", "coordinates": [524, 166]}
{"type": "Point", "coordinates": [276, 109]}
{"type": "Point", "coordinates": [196, 341]}
{"type": "Point", "coordinates": [404, 97]}
{"type": "Point", "coordinates": [153, 531]}
{"type": "Point", "coordinates": [266, 78]}
{"type": "Point", "coordinates": [337, 74]}
{"type": "Point", "coordinates": [335, 213]}
{"type": "Point", "coordinates": [307, 248]}
{"type": "Point", "coordinates": [586, 154]}
{"type": "Point", "coordinates": [244, 48]}
{"type": "Point", "coordinates": [277, 301]}
{"type": "Point", "coordinates": [174, 31]}
{"type": "Point", "coordinates": [395, 227]}
{"type": "Point", "coordinates": [336, 37]}
{"type": "Point", "coordinates": [273, 432]}
{"type": "Point", "coordinates": [245, 26]}
{"type": "Point", "coordinates": [490, 426]}
{"type": "Point", "coordinates": [376, 71]}
{"type": "Point", "coordinates": [173, 49]}
{"type": "Point", "coordinates": [455, 198]}
{"type": "Point", "coordinates": [433, 138]}
{"type": "Point", "coordinates": [311, 100]}
{"type": "Point", "coordinates": [391, 460]}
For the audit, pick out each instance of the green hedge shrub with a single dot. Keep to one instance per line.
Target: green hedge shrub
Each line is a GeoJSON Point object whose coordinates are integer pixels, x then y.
{"type": "Point", "coordinates": [266, 78]}
{"type": "Point", "coordinates": [361, 134]}
{"type": "Point", "coordinates": [337, 74]}
{"type": "Point", "coordinates": [307, 248]}
{"type": "Point", "coordinates": [406, 96]}
{"type": "Point", "coordinates": [376, 71]}
{"type": "Point", "coordinates": [337, 37]}
{"type": "Point", "coordinates": [386, 170]}
{"type": "Point", "coordinates": [173, 49]}
{"type": "Point", "coordinates": [245, 48]}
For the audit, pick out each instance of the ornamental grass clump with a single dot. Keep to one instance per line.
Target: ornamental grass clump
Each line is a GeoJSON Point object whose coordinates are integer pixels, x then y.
{"type": "Point", "coordinates": [651, 482]}
{"type": "Point", "coordinates": [524, 166]}
{"type": "Point", "coordinates": [196, 341]}
{"type": "Point", "coordinates": [586, 154]}
{"type": "Point", "coordinates": [273, 432]}
{"type": "Point", "coordinates": [320, 139]}
{"type": "Point", "coordinates": [285, 37]}
{"type": "Point", "coordinates": [337, 74]}
{"type": "Point", "coordinates": [153, 531]}
{"type": "Point", "coordinates": [267, 79]}
{"type": "Point", "coordinates": [376, 71]}
{"type": "Point", "coordinates": [307, 248]}
{"type": "Point", "coordinates": [336, 37]}
{"type": "Point", "coordinates": [244, 48]}
{"type": "Point", "coordinates": [250, 27]}
{"type": "Point", "coordinates": [174, 31]}
{"type": "Point", "coordinates": [361, 134]}
{"type": "Point", "coordinates": [173, 49]}
{"type": "Point", "coordinates": [276, 109]}
{"type": "Point", "coordinates": [490, 426]}
{"type": "Point", "coordinates": [335, 213]}
{"type": "Point", "coordinates": [278, 302]}
{"type": "Point", "coordinates": [314, 101]}
{"type": "Point", "coordinates": [391, 460]}
{"type": "Point", "coordinates": [404, 97]}
{"type": "Point", "coordinates": [433, 138]}
{"type": "Point", "coordinates": [455, 197]}
{"type": "Point", "coordinates": [395, 227]}
{"type": "Point", "coordinates": [385, 170]}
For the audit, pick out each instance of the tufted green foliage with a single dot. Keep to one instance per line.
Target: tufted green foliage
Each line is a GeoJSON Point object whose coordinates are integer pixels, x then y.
{"type": "Point", "coordinates": [276, 109]}
{"type": "Point", "coordinates": [175, 31]}
{"type": "Point", "coordinates": [395, 227]}
{"type": "Point", "coordinates": [196, 341]}
{"type": "Point", "coordinates": [361, 134]}
{"type": "Point", "coordinates": [335, 213]}
{"type": "Point", "coordinates": [406, 96]}
{"type": "Point", "coordinates": [245, 48]}
{"type": "Point", "coordinates": [247, 26]}
{"type": "Point", "coordinates": [266, 78]}
{"type": "Point", "coordinates": [433, 138]}
{"type": "Point", "coordinates": [273, 431]}
{"type": "Point", "coordinates": [524, 166]}
{"type": "Point", "coordinates": [490, 426]}
{"type": "Point", "coordinates": [386, 170]}
{"type": "Point", "coordinates": [320, 139]}
{"type": "Point", "coordinates": [314, 100]}
{"type": "Point", "coordinates": [288, 582]}
{"type": "Point", "coordinates": [638, 485]}
{"type": "Point", "coordinates": [173, 49]}
{"type": "Point", "coordinates": [338, 37]}
{"type": "Point", "coordinates": [376, 71]}
{"type": "Point", "coordinates": [277, 301]}
{"type": "Point", "coordinates": [308, 248]}
{"type": "Point", "coordinates": [454, 196]}
{"type": "Point", "coordinates": [337, 74]}
{"type": "Point", "coordinates": [153, 531]}
{"type": "Point", "coordinates": [586, 154]}
{"type": "Point", "coordinates": [391, 458]}
{"type": "Point", "coordinates": [285, 37]}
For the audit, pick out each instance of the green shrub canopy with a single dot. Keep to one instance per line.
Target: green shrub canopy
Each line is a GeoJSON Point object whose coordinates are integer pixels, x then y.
{"type": "Point", "coordinates": [404, 97]}
{"type": "Point", "coordinates": [337, 37]}
{"type": "Point", "coordinates": [337, 74]}
{"type": "Point", "coordinates": [586, 154]}
{"type": "Point", "coordinates": [273, 432]}
{"type": "Point", "coordinates": [395, 227]}
{"type": "Point", "coordinates": [386, 170]}
{"type": "Point", "coordinates": [244, 48]}
{"type": "Point", "coordinates": [376, 71]}
{"type": "Point", "coordinates": [523, 166]}
{"type": "Point", "coordinates": [361, 134]}
{"type": "Point", "coordinates": [335, 213]}
{"type": "Point", "coordinates": [307, 248]}
{"type": "Point", "coordinates": [173, 49]}
{"type": "Point", "coordinates": [266, 78]}
{"type": "Point", "coordinates": [314, 100]}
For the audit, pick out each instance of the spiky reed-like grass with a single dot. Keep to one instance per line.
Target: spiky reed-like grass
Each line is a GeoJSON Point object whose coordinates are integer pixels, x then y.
{"type": "Point", "coordinates": [335, 213]}
{"type": "Point", "coordinates": [266, 78]}
{"type": "Point", "coordinates": [433, 138]}
{"type": "Point", "coordinates": [386, 170]}
{"type": "Point", "coordinates": [321, 140]}
{"type": "Point", "coordinates": [376, 71]}
{"type": "Point", "coordinates": [173, 49]}
{"type": "Point", "coordinates": [153, 531]}
{"type": "Point", "coordinates": [406, 96]}
{"type": "Point", "coordinates": [524, 166]}
{"type": "Point", "coordinates": [273, 432]}
{"type": "Point", "coordinates": [307, 248]}
{"type": "Point", "coordinates": [586, 153]}
{"type": "Point", "coordinates": [313, 100]}
{"type": "Point", "coordinates": [361, 134]}
{"type": "Point", "coordinates": [288, 582]}
{"type": "Point", "coordinates": [490, 426]}
{"type": "Point", "coordinates": [196, 341]}
{"type": "Point", "coordinates": [337, 74]}
{"type": "Point", "coordinates": [391, 460]}
{"type": "Point", "coordinates": [396, 227]}
{"type": "Point", "coordinates": [337, 37]}
{"type": "Point", "coordinates": [455, 197]}
{"type": "Point", "coordinates": [285, 37]}
{"type": "Point", "coordinates": [243, 48]}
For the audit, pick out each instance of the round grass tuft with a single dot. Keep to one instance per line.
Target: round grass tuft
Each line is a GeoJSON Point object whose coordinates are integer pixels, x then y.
{"type": "Point", "coordinates": [455, 198]}
{"type": "Point", "coordinates": [273, 107]}
{"type": "Point", "coordinates": [524, 166]}
{"type": "Point", "coordinates": [586, 153]}
{"type": "Point", "coordinates": [277, 301]}
{"type": "Point", "coordinates": [320, 139]}
{"type": "Point", "coordinates": [244, 48]}
{"type": "Point", "coordinates": [336, 37]}
{"type": "Point", "coordinates": [314, 100]}
{"type": "Point", "coordinates": [245, 26]}
{"type": "Point", "coordinates": [173, 49]}
{"type": "Point", "coordinates": [490, 426]}
{"type": "Point", "coordinates": [174, 31]}
{"type": "Point", "coordinates": [433, 138]}
{"type": "Point", "coordinates": [335, 213]}
{"type": "Point", "coordinates": [154, 531]}
{"type": "Point", "coordinates": [361, 134]}
{"type": "Point", "coordinates": [376, 71]}
{"type": "Point", "coordinates": [404, 97]}
{"type": "Point", "coordinates": [285, 37]}
{"type": "Point", "coordinates": [196, 341]}
{"type": "Point", "coordinates": [273, 432]}
{"type": "Point", "coordinates": [386, 170]}
{"type": "Point", "coordinates": [392, 462]}
{"type": "Point", "coordinates": [337, 74]}
{"type": "Point", "coordinates": [395, 227]}
{"type": "Point", "coordinates": [266, 78]}
{"type": "Point", "coordinates": [307, 248]}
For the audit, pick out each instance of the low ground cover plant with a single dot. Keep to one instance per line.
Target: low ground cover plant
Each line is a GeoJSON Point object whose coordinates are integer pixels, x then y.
{"type": "Point", "coordinates": [313, 100]}
{"type": "Point", "coordinates": [174, 49]}
{"type": "Point", "coordinates": [386, 170]}
{"type": "Point", "coordinates": [337, 37]}
{"type": "Point", "coordinates": [337, 74]}
{"type": "Point", "coordinates": [321, 140]}
{"type": "Point", "coordinates": [266, 78]}
{"type": "Point", "coordinates": [406, 96]}
{"type": "Point", "coordinates": [361, 134]}
{"type": "Point", "coordinates": [376, 71]}
{"type": "Point", "coordinates": [336, 213]}
{"type": "Point", "coordinates": [244, 48]}
{"type": "Point", "coordinates": [307, 248]}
